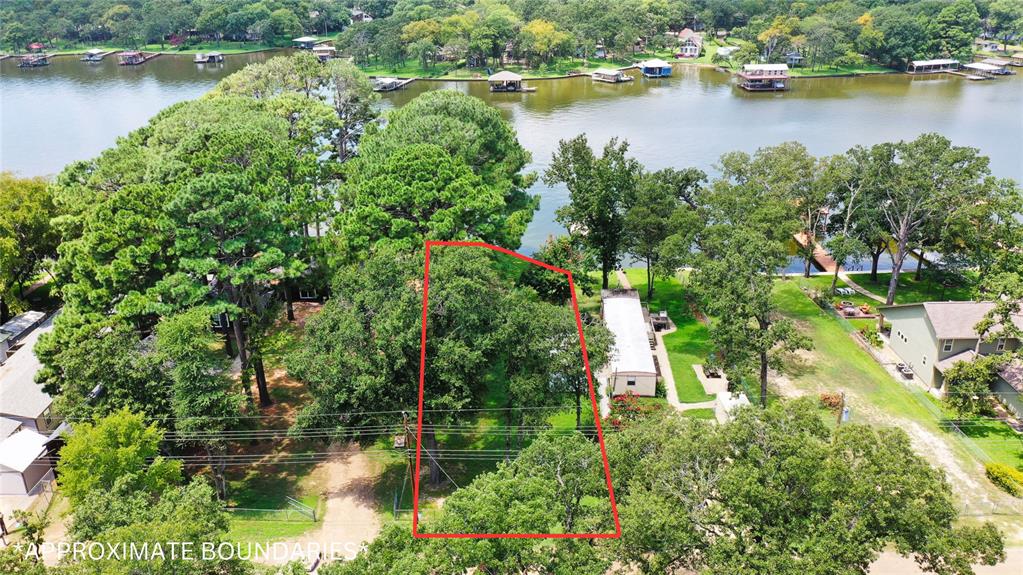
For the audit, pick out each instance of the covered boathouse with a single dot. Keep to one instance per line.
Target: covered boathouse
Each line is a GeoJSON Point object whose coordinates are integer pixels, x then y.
{"type": "Point", "coordinates": [610, 76]}
{"type": "Point", "coordinates": [655, 68]}
{"type": "Point", "coordinates": [505, 81]}
{"type": "Point", "coordinates": [764, 77]}
{"type": "Point", "coordinates": [632, 368]}
{"type": "Point", "coordinates": [933, 66]}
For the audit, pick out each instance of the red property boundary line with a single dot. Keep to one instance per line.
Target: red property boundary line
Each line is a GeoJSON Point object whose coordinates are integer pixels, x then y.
{"type": "Point", "coordinates": [593, 399]}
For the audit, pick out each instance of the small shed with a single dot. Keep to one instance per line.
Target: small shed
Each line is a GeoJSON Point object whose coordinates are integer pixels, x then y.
{"type": "Point", "coordinates": [23, 462]}
{"type": "Point", "coordinates": [632, 367]}
{"type": "Point", "coordinates": [505, 81]}
{"type": "Point", "coordinates": [304, 42]}
{"type": "Point", "coordinates": [610, 76]}
{"type": "Point", "coordinates": [933, 66]}
{"type": "Point", "coordinates": [655, 68]}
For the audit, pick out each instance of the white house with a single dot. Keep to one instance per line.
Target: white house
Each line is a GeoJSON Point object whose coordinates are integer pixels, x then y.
{"type": "Point", "coordinates": [23, 462]}
{"type": "Point", "coordinates": [632, 366]}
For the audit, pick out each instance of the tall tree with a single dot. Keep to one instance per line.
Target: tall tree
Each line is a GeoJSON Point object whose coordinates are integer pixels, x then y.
{"type": "Point", "coordinates": [647, 221]}
{"type": "Point", "coordinates": [601, 189]}
{"type": "Point", "coordinates": [27, 239]}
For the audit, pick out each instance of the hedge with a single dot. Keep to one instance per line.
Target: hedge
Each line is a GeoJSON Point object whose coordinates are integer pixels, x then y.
{"type": "Point", "coordinates": [1006, 478]}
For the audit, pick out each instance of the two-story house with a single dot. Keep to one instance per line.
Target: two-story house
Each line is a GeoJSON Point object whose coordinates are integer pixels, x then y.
{"type": "Point", "coordinates": [931, 337]}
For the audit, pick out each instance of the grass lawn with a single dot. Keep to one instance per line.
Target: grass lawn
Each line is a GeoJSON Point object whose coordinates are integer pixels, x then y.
{"type": "Point", "coordinates": [242, 530]}
{"type": "Point", "coordinates": [701, 413]}
{"type": "Point", "coordinates": [591, 303]}
{"type": "Point", "coordinates": [912, 291]}
{"type": "Point", "coordinates": [866, 68]}
{"type": "Point", "coordinates": [822, 283]}
{"type": "Point", "coordinates": [689, 344]}
{"type": "Point", "coordinates": [222, 47]}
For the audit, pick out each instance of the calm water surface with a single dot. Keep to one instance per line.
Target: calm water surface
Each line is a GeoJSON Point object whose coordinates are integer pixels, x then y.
{"type": "Point", "coordinates": [71, 110]}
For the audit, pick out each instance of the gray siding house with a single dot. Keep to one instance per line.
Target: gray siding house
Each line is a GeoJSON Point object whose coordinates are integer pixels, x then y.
{"type": "Point", "coordinates": [931, 337]}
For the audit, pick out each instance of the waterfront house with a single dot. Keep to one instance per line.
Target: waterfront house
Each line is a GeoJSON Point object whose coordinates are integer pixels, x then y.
{"type": "Point", "coordinates": [360, 16]}
{"type": "Point", "coordinates": [16, 329]}
{"type": "Point", "coordinates": [793, 58]}
{"type": "Point", "coordinates": [324, 52]}
{"type": "Point", "coordinates": [764, 77]}
{"type": "Point", "coordinates": [304, 42]}
{"type": "Point", "coordinates": [610, 76]}
{"type": "Point", "coordinates": [24, 461]}
{"type": "Point", "coordinates": [632, 368]}
{"type": "Point", "coordinates": [1017, 59]}
{"type": "Point", "coordinates": [931, 337]}
{"type": "Point", "coordinates": [932, 66]}
{"type": "Point", "coordinates": [130, 58]}
{"type": "Point", "coordinates": [505, 81]}
{"type": "Point", "coordinates": [655, 68]}
{"type": "Point", "coordinates": [690, 44]}
{"type": "Point", "coordinates": [93, 55]}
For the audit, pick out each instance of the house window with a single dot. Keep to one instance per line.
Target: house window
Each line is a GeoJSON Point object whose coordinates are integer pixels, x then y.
{"type": "Point", "coordinates": [924, 360]}
{"type": "Point", "coordinates": [948, 346]}
{"type": "Point", "coordinates": [1000, 344]}
{"type": "Point", "coordinates": [631, 382]}
{"type": "Point", "coordinates": [217, 322]}
{"type": "Point", "coordinates": [306, 294]}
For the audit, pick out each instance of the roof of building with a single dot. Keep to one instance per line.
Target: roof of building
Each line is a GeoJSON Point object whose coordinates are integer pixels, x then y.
{"type": "Point", "coordinates": [726, 50]}
{"type": "Point", "coordinates": [20, 450]}
{"type": "Point", "coordinates": [981, 66]}
{"type": "Point", "coordinates": [623, 314]}
{"type": "Point", "coordinates": [995, 62]}
{"type": "Point", "coordinates": [1012, 373]}
{"type": "Point", "coordinates": [938, 62]}
{"type": "Point", "coordinates": [20, 395]}
{"type": "Point", "coordinates": [94, 51]}
{"type": "Point", "coordinates": [654, 63]}
{"type": "Point", "coordinates": [955, 319]}
{"type": "Point", "coordinates": [7, 427]}
{"type": "Point", "coordinates": [22, 323]}
{"type": "Point", "coordinates": [765, 67]}
{"type": "Point", "coordinates": [607, 72]}
{"type": "Point", "coordinates": [688, 34]}
{"type": "Point", "coordinates": [945, 364]}
{"type": "Point", "coordinates": [304, 39]}
{"type": "Point", "coordinates": [324, 47]}
{"type": "Point", "coordinates": [505, 76]}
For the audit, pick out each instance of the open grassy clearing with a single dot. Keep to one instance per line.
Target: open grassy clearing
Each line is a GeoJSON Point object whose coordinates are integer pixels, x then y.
{"type": "Point", "coordinates": [689, 344]}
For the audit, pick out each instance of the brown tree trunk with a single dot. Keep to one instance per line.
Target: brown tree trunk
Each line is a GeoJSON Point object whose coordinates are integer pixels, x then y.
{"type": "Point", "coordinates": [834, 279]}
{"type": "Point", "coordinates": [875, 257]}
{"type": "Point", "coordinates": [217, 466]}
{"type": "Point", "coordinates": [243, 356]}
{"type": "Point", "coordinates": [264, 392]}
{"type": "Point", "coordinates": [5, 311]}
{"type": "Point", "coordinates": [290, 303]}
{"type": "Point", "coordinates": [763, 378]}
{"type": "Point", "coordinates": [649, 282]}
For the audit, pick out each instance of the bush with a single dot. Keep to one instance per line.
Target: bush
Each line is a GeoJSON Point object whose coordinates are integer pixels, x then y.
{"type": "Point", "coordinates": [1006, 478]}
{"type": "Point", "coordinates": [661, 390]}
{"type": "Point", "coordinates": [832, 401]}
{"type": "Point", "coordinates": [871, 336]}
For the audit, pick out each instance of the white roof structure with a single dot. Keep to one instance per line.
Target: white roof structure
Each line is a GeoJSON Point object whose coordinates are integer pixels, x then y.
{"type": "Point", "coordinates": [23, 323]}
{"type": "Point", "coordinates": [20, 395]}
{"type": "Point", "coordinates": [94, 51]}
{"type": "Point", "coordinates": [938, 62]}
{"type": "Point", "coordinates": [766, 67]}
{"type": "Point", "coordinates": [304, 39]}
{"type": "Point", "coordinates": [505, 76]}
{"type": "Point", "coordinates": [982, 67]}
{"type": "Point", "coordinates": [8, 427]}
{"type": "Point", "coordinates": [324, 48]}
{"type": "Point", "coordinates": [727, 50]}
{"type": "Point", "coordinates": [623, 315]}
{"type": "Point", "coordinates": [654, 63]}
{"type": "Point", "coordinates": [996, 62]}
{"type": "Point", "coordinates": [606, 72]}
{"type": "Point", "coordinates": [20, 450]}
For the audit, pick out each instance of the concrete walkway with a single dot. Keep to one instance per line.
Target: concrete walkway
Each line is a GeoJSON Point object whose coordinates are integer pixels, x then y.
{"type": "Point", "coordinates": [844, 276]}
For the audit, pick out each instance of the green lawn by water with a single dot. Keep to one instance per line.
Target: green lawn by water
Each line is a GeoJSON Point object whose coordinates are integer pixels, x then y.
{"type": "Point", "coordinates": [912, 291]}
{"type": "Point", "coordinates": [689, 344]}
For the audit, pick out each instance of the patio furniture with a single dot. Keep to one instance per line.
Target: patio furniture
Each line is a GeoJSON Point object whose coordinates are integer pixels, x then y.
{"type": "Point", "coordinates": [906, 373]}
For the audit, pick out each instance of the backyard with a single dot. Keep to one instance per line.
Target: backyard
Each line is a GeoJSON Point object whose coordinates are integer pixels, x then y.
{"type": "Point", "coordinates": [928, 288]}
{"type": "Point", "coordinates": [689, 344]}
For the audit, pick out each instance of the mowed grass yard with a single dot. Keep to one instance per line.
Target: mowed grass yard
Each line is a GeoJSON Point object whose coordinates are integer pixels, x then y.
{"type": "Point", "coordinates": [689, 344]}
{"type": "Point", "coordinates": [911, 290]}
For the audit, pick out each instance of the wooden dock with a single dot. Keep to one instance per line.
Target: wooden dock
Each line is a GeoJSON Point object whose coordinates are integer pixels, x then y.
{"type": "Point", "coordinates": [973, 77]}
{"type": "Point", "coordinates": [821, 257]}
{"type": "Point", "coordinates": [384, 86]}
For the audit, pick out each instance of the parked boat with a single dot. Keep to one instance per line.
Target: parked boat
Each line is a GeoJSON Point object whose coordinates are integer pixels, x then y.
{"type": "Point", "coordinates": [93, 55]}
{"type": "Point", "coordinates": [610, 76]}
{"type": "Point", "coordinates": [33, 61]}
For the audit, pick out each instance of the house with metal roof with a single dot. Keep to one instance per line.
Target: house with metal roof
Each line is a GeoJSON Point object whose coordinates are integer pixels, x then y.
{"type": "Point", "coordinates": [23, 462]}
{"type": "Point", "coordinates": [632, 368]}
{"type": "Point", "coordinates": [21, 398]}
{"type": "Point", "coordinates": [931, 337]}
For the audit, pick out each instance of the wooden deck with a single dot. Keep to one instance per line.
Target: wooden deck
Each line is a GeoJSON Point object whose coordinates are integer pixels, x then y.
{"type": "Point", "coordinates": [820, 256]}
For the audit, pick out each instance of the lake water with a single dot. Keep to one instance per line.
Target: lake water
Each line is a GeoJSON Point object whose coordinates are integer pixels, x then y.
{"type": "Point", "coordinates": [71, 110]}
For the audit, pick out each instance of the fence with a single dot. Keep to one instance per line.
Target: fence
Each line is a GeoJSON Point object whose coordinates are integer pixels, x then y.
{"type": "Point", "coordinates": [295, 511]}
